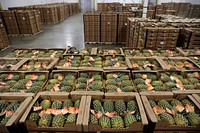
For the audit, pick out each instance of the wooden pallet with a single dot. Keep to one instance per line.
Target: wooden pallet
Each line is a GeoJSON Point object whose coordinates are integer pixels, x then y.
{"type": "Point", "coordinates": [92, 42]}
{"type": "Point", "coordinates": [108, 43]}
{"type": "Point", "coordinates": [14, 35]}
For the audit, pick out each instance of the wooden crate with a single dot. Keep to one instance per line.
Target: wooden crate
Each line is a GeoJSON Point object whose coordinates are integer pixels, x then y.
{"type": "Point", "coordinates": [62, 73]}
{"type": "Point", "coordinates": [25, 64]}
{"type": "Point", "coordinates": [119, 88]}
{"type": "Point", "coordinates": [10, 91]}
{"type": "Point", "coordinates": [13, 124]}
{"type": "Point", "coordinates": [164, 125]}
{"type": "Point", "coordinates": [33, 127]}
{"type": "Point", "coordinates": [137, 127]}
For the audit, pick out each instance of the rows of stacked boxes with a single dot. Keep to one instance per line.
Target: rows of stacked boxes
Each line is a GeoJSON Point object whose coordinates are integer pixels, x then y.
{"type": "Point", "coordinates": [26, 22]}
{"type": "Point", "coordinates": [152, 33]}
{"type": "Point", "coordinates": [22, 22]}
{"type": "Point", "coordinates": [92, 26]}
{"type": "Point", "coordinates": [122, 26]}
{"type": "Point", "coordinates": [4, 42]}
{"type": "Point", "coordinates": [108, 27]}
{"type": "Point", "coordinates": [181, 9]}
{"type": "Point", "coordinates": [10, 21]}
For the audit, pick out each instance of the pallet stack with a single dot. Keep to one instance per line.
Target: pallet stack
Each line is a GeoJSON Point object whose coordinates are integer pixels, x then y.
{"type": "Point", "coordinates": [10, 21]}
{"type": "Point", "coordinates": [4, 42]}
{"type": "Point", "coordinates": [92, 27]}
{"type": "Point", "coordinates": [26, 22]}
{"type": "Point", "coordinates": [122, 26]}
{"type": "Point", "coordinates": [190, 37]}
{"type": "Point", "coordinates": [108, 27]}
{"type": "Point", "coordinates": [193, 11]}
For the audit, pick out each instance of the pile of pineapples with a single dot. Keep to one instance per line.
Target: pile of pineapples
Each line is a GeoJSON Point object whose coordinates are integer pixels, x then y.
{"type": "Point", "coordinates": [7, 110]}
{"type": "Point", "coordinates": [180, 65]}
{"type": "Point", "coordinates": [114, 61]}
{"type": "Point", "coordinates": [30, 84]}
{"type": "Point", "coordinates": [89, 81]}
{"type": "Point", "coordinates": [56, 113]}
{"type": "Point", "coordinates": [85, 51]}
{"type": "Point", "coordinates": [148, 82]}
{"type": "Point", "coordinates": [175, 81]}
{"type": "Point", "coordinates": [114, 114]}
{"type": "Point", "coordinates": [92, 61]}
{"type": "Point", "coordinates": [35, 53]}
{"type": "Point", "coordinates": [70, 61]}
{"type": "Point", "coordinates": [6, 65]}
{"type": "Point", "coordinates": [8, 80]}
{"type": "Point", "coordinates": [34, 66]}
{"type": "Point", "coordinates": [147, 65]}
{"type": "Point", "coordinates": [61, 82]}
{"type": "Point", "coordinates": [109, 52]}
{"type": "Point", "coordinates": [119, 82]}
{"type": "Point", "coordinates": [176, 112]}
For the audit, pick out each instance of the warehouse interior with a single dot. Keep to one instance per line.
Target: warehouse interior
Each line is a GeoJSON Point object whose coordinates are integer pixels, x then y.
{"type": "Point", "coordinates": [74, 66]}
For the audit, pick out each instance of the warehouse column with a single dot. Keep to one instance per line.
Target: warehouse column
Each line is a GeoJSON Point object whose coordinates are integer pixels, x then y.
{"type": "Point", "coordinates": [145, 4]}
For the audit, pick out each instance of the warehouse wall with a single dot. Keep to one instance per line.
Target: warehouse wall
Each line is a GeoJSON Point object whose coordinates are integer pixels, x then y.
{"type": "Point", "coordinates": [11, 3]}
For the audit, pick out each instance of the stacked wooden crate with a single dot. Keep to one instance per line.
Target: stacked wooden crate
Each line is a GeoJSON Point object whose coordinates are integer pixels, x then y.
{"type": "Point", "coordinates": [92, 27]}
{"type": "Point", "coordinates": [193, 11]}
{"type": "Point", "coordinates": [4, 42]}
{"type": "Point", "coordinates": [10, 22]}
{"type": "Point", "coordinates": [108, 27]}
{"type": "Point", "coordinates": [26, 22]}
{"type": "Point", "coordinates": [122, 26]}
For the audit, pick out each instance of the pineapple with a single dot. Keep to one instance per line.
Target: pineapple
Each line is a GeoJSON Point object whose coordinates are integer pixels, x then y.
{"type": "Point", "coordinates": [68, 103]}
{"type": "Point", "coordinates": [194, 119]}
{"type": "Point", "coordinates": [71, 118]}
{"type": "Point", "coordinates": [108, 106]}
{"type": "Point", "coordinates": [117, 122]}
{"type": "Point", "coordinates": [104, 121]}
{"type": "Point", "coordinates": [45, 121]}
{"type": "Point", "coordinates": [77, 103]}
{"type": "Point", "coordinates": [120, 106]}
{"type": "Point", "coordinates": [175, 102]}
{"type": "Point", "coordinates": [152, 103]}
{"type": "Point", "coordinates": [57, 104]}
{"type": "Point", "coordinates": [58, 121]}
{"type": "Point", "coordinates": [97, 105]}
{"type": "Point", "coordinates": [132, 106]}
{"type": "Point", "coordinates": [129, 119]}
{"type": "Point", "coordinates": [93, 119]}
{"type": "Point", "coordinates": [5, 120]}
{"type": "Point", "coordinates": [164, 104]}
{"type": "Point", "coordinates": [45, 104]}
{"type": "Point", "coordinates": [167, 117]}
{"type": "Point", "coordinates": [34, 117]}
{"type": "Point", "coordinates": [180, 120]}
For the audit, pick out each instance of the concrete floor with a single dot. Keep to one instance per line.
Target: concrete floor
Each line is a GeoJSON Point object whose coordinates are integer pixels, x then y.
{"type": "Point", "coordinates": [69, 32]}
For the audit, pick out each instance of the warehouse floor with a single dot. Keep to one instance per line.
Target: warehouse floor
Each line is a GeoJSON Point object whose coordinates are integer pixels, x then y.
{"type": "Point", "coordinates": [69, 32]}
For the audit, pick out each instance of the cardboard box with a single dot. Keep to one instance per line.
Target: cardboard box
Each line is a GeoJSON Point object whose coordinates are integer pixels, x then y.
{"type": "Point", "coordinates": [32, 127]}
{"type": "Point", "coordinates": [13, 124]}
{"type": "Point", "coordinates": [139, 126]}
{"type": "Point", "coordinates": [164, 125]}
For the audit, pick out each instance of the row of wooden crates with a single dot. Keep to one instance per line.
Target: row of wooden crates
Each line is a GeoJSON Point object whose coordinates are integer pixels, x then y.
{"type": "Point", "coordinates": [19, 122]}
